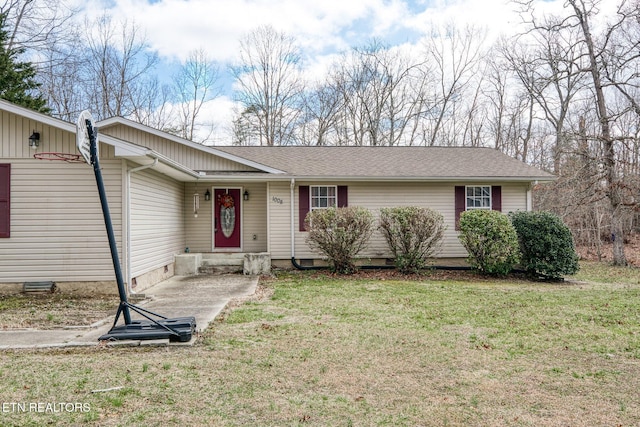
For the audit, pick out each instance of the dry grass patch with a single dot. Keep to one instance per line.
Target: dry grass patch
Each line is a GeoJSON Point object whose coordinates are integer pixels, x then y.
{"type": "Point", "coordinates": [312, 350]}
{"type": "Point", "coordinates": [53, 310]}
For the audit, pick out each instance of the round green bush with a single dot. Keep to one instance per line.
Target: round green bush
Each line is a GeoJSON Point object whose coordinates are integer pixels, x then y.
{"type": "Point", "coordinates": [490, 240]}
{"type": "Point", "coordinates": [546, 244]}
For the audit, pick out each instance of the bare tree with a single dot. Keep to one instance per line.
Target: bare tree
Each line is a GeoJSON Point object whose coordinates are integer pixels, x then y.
{"type": "Point", "coordinates": [456, 54]}
{"type": "Point", "coordinates": [548, 61]}
{"type": "Point", "coordinates": [377, 96]}
{"type": "Point", "coordinates": [36, 24]}
{"type": "Point", "coordinates": [194, 85]}
{"type": "Point", "coordinates": [116, 68]}
{"type": "Point", "coordinates": [270, 84]}
{"type": "Point", "coordinates": [510, 114]}
{"type": "Point", "coordinates": [321, 109]}
{"type": "Point", "coordinates": [61, 81]}
{"type": "Point", "coordinates": [599, 58]}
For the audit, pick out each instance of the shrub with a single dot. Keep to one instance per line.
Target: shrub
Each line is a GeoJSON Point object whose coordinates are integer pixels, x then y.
{"type": "Point", "coordinates": [413, 235]}
{"type": "Point", "coordinates": [340, 234]}
{"type": "Point", "coordinates": [546, 245]}
{"type": "Point", "coordinates": [491, 241]}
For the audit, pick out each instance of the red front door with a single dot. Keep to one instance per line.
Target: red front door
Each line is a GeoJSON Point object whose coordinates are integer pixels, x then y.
{"type": "Point", "coordinates": [226, 208]}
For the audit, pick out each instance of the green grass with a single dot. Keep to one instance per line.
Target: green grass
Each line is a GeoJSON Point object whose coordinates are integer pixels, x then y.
{"type": "Point", "coordinates": [601, 272]}
{"type": "Point", "coordinates": [368, 352]}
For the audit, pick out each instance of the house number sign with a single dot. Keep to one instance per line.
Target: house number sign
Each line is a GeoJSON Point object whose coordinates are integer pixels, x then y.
{"type": "Point", "coordinates": [277, 200]}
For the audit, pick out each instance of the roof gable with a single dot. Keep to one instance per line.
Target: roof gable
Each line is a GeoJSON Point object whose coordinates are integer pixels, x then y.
{"type": "Point", "coordinates": [120, 121]}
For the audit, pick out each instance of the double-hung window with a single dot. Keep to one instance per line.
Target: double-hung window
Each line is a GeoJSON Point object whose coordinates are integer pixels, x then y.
{"type": "Point", "coordinates": [323, 196]}
{"type": "Point", "coordinates": [478, 197]}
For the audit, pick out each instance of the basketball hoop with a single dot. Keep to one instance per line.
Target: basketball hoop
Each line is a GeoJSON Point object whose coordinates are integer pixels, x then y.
{"type": "Point", "coordinates": [65, 157]}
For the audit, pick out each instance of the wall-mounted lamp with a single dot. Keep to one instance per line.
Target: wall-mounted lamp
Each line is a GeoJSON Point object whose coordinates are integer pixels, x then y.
{"type": "Point", "coordinates": [207, 196]}
{"type": "Point", "coordinates": [34, 140]}
{"type": "Point", "coordinates": [245, 196]}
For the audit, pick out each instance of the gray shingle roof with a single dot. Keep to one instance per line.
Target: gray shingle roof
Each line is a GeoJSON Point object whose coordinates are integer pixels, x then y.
{"type": "Point", "coordinates": [436, 163]}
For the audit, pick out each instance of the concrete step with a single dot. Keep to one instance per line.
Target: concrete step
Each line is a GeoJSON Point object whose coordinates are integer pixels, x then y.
{"type": "Point", "coordinates": [222, 259]}
{"type": "Point", "coordinates": [219, 269]}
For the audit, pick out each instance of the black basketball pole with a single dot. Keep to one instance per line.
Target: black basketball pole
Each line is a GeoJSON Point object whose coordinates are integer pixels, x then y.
{"type": "Point", "coordinates": [93, 149]}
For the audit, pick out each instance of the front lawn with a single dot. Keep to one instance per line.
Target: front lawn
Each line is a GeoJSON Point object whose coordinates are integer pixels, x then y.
{"type": "Point", "coordinates": [319, 350]}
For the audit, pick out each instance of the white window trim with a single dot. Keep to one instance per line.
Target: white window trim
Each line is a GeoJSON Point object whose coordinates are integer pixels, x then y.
{"type": "Point", "coordinates": [469, 208]}
{"type": "Point", "coordinates": [311, 187]}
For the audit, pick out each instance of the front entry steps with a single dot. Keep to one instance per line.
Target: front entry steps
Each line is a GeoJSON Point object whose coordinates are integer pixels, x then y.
{"type": "Point", "coordinates": [222, 263]}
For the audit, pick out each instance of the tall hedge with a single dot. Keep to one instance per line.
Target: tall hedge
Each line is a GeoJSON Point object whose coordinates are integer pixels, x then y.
{"type": "Point", "coordinates": [546, 244]}
{"type": "Point", "coordinates": [490, 240]}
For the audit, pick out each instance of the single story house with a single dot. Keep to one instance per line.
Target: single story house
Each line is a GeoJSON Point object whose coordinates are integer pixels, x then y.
{"type": "Point", "coordinates": [170, 197]}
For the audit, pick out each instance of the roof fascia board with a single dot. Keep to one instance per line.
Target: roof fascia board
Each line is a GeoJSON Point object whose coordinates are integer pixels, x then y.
{"type": "Point", "coordinates": [36, 116]}
{"type": "Point", "coordinates": [120, 120]}
{"type": "Point", "coordinates": [228, 178]}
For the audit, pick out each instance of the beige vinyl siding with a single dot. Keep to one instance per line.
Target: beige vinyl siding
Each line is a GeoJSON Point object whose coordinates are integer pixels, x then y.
{"type": "Point", "coordinates": [57, 226]}
{"type": "Point", "coordinates": [14, 137]}
{"type": "Point", "coordinates": [199, 230]}
{"type": "Point", "coordinates": [279, 206]}
{"type": "Point", "coordinates": [374, 196]}
{"type": "Point", "coordinates": [187, 156]}
{"type": "Point", "coordinates": [157, 221]}
{"type": "Point", "coordinates": [514, 198]}
{"type": "Point", "coordinates": [254, 218]}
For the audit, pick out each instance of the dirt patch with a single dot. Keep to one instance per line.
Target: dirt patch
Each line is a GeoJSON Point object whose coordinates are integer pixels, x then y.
{"type": "Point", "coordinates": [631, 250]}
{"type": "Point", "coordinates": [53, 311]}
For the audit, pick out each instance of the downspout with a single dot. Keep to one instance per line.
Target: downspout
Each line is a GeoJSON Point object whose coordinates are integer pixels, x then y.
{"type": "Point", "coordinates": [129, 172]}
{"type": "Point", "coordinates": [292, 220]}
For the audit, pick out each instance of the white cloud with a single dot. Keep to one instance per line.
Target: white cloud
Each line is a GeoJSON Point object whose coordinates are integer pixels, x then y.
{"type": "Point", "coordinates": [175, 27]}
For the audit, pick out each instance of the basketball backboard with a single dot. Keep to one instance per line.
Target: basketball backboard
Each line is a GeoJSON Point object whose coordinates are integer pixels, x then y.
{"type": "Point", "coordinates": [83, 139]}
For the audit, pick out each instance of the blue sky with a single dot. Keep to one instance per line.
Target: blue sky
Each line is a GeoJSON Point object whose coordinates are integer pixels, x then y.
{"type": "Point", "coordinates": [174, 28]}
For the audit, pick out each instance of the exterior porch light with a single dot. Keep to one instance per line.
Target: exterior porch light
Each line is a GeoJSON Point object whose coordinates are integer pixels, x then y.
{"type": "Point", "coordinates": [34, 140]}
{"type": "Point", "coordinates": [245, 195]}
{"type": "Point", "coordinates": [207, 196]}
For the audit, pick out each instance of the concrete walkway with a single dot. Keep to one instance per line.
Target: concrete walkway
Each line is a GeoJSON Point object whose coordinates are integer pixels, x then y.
{"type": "Point", "coordinates": [203, 297]}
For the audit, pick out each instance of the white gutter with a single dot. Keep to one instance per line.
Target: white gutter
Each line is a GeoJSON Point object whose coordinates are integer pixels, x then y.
{"type": "Point", "coordinates": [128, 261]}
{"type": "Point", "coordinates": [292, 221]}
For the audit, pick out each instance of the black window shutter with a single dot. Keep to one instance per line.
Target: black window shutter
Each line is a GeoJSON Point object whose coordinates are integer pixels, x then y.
{"type": "Point", "coordinates": [5, 199]}
{"type": "Point", "coordinates": [303, 200]}
{"type": "Point", "coordinates": [343, 196]}
{"type": "Point", "coordinates": [496, 198]}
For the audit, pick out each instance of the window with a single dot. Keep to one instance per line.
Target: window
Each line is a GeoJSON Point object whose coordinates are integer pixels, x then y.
{"type": "Point", "coordinates": [340, 198]}
{"type": "Point", "coordinates": [323, 197]}
{"type": "Point", "coordinates": [478, 197]}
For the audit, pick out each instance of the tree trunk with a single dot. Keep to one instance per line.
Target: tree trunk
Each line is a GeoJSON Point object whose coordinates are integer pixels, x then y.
{"type": "Point", "coordinates": [615, 202]}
